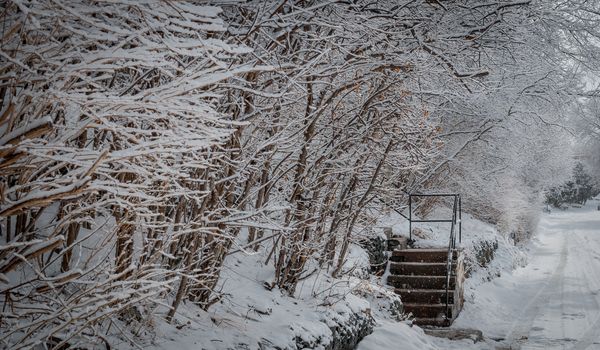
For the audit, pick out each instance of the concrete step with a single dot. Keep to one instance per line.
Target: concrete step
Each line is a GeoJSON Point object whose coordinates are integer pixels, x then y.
{"type": "Point", "coordinates": [422, 255]}
{"type": "Point", "coordinates": [420, 282]}
{"type": "Point", "coordinates": [432, 321]}
{"type": "Point", "coordinates": [422, 296]}
{"type": "Point", "coordinates": [427, 310]}
{"type": "Point", "coordinates": [419, 268]}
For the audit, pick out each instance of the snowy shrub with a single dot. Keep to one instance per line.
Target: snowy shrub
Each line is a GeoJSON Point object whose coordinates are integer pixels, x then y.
{"type": "Point", "coordinates": [485, 252]}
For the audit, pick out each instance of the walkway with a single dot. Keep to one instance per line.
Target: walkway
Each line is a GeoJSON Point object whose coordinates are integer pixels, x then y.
{"type": "Point", "coordinates": [553, 302]}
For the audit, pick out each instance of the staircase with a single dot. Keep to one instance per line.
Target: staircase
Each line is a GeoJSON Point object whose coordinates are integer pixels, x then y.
{"type": "Point", "coordinates": [419, 277]}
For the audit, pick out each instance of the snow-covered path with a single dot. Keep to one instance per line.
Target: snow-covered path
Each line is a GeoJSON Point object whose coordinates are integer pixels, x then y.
{"type": "Point", "coordinates": [554, 301]}
{"type": "Point", "coordinates": [551, 303]}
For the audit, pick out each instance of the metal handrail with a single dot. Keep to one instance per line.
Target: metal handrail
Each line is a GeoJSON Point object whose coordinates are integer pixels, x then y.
{"type": "Point", "coordinates": [455, 210]}
{"type": "Point", "coordinates": [451, 246]}
{"type": "Point", "coordinates": [455, 221]}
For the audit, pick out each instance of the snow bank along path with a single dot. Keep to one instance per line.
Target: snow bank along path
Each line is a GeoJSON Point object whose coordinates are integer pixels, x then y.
{"type": "Point", "coordinates": [554, 301]}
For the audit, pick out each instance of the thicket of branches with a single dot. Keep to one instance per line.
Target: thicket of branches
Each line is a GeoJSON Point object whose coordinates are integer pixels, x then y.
{"type": "Point", "coordinates": [117, 166]}
{"type": "Point", "coordinates": [588, 130]}
{"type": "Point", "coordinates": [142, 141]}
{"type": "Point", "coordinates": [511, 138]}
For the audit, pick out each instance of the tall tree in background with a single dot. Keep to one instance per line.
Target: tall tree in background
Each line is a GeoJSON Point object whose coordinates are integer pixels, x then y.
{"type": "Point", "coordinates": [579, 189]}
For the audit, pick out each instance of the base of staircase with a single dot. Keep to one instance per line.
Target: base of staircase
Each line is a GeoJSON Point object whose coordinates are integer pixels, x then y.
{"type": "Point", "coordinates": [432, 322]}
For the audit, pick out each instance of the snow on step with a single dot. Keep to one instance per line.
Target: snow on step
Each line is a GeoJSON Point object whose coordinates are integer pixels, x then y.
{"type": "Point", "coordinates": [418, 268]}
{"type": "Point", "coordinates": [419, 282]}
{"type": "Point", "coordinates": [427, 310]}
{"type": "Point", "coordinates": [422, 255]}
{"type": "Point", "coordinates": [434, 296]}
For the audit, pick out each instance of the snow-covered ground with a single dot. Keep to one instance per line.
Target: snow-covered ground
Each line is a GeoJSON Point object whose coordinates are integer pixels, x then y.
{"type": "Point", "coordinates": [249, 316]}
{"type": "Point", "coordinates": [252, 317]}
{"type": "Point", "coordinates": [551, 303]}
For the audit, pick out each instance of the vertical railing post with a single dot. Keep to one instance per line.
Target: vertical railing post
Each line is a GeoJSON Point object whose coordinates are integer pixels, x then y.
{"type": "Point", "coordinates": [451, 246]}
{"type": "Point", "coordinates": [454, 217]}
{"type": "Point", "coordinates": [410, 218]}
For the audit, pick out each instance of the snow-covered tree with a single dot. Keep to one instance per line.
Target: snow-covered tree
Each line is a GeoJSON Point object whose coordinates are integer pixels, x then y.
{"type": "Point", "coordinates": [143, 142]}
{"type": "Point", "coordinates": [115, 163]}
